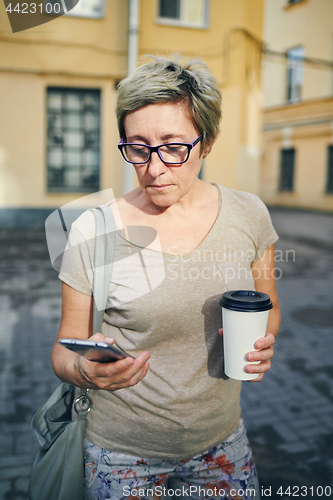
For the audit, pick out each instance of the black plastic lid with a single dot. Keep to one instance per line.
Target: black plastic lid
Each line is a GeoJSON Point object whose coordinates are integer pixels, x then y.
{"type": "Point", "coordinates": [246, 301]}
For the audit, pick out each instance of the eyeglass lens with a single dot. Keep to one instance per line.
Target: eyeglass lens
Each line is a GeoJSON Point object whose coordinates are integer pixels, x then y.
{"type": "Point", "coordinates": [170, 153]}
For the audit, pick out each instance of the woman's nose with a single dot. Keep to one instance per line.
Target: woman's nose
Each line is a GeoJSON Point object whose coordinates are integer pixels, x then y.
{"type": "Point", "coordinates": [156, 166]}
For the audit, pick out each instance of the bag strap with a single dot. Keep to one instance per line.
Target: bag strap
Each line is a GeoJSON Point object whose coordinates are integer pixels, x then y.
{"type": "Point", "coordinates": [105, 239]}
{"type": "Point", "coordinates": [105, 244]}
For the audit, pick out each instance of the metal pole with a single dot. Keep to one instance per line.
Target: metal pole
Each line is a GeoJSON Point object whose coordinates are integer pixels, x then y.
{"type": "Point", "coordinates": [133, 29]}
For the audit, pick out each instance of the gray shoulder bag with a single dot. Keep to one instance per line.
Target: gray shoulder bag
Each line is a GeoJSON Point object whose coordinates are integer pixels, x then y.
{"type": "Point", "coordinates": [58, 468]}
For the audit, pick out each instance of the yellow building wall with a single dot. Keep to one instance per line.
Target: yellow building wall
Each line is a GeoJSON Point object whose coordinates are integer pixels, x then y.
{"type": "Point", "coordinates": [92, 53]}
{"type": "Point", "coordinates": [310, 138]}
{"type": "Point", "coordinates": [308, 23]}
{"type": "Point", "coordinates": [72, 45]}
{"type": "Point", "coordinates": [309, 190]}
{"type": "Point", "coordinates": [23, 140]}
{"type": "Point", "coordinates": [68, 52]}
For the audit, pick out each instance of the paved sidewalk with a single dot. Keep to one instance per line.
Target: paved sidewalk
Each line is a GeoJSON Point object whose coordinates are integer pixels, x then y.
{"type": "Point", "coordinates": [289, 415]}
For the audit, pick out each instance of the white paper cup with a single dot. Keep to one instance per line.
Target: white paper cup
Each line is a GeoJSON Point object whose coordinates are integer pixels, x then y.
{"type": "Point", "coordinates": [244, 317]}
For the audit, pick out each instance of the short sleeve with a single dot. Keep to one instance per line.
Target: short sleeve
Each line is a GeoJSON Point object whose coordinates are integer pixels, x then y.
{"type": "Point", "coordinates": [77, 262]}
{"type": "Point", "coordinates": [265, 232]}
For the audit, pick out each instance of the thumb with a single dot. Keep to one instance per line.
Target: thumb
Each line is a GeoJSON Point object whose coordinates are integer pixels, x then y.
{"type": "Point", "coordinates": [99, 337]}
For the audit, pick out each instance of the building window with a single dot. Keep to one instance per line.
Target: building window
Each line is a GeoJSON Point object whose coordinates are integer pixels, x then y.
{"type": "Point", "coordinates": [329, 184]}
{"type": "Point", "coordinates": [295, 73]}
{"type": "Point", "coordinates": [190, 13]}
{"type": "Point", "coordinates": [287, 167]}
{"type": "Point", "coordinates": [73, 139]}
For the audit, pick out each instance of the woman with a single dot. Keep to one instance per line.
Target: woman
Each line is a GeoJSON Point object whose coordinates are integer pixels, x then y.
{"type": "Point", "coordinates": [170, 427]}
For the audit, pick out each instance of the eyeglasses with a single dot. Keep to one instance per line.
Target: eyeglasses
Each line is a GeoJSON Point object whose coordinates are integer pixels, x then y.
{"type": "Point", "coordinates": [174, 153]}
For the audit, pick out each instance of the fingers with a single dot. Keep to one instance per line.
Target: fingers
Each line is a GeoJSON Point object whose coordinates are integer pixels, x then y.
{"type": "Point", "coordinates": [120, 374]}
{"type": "Point", "coordinates": [99, 337]}
{"type": "Point", "coordinates": [258, 379]}
{"type": "Point", "coordinates": [128, 380]}
{"type": "Point", "coordinates": [112, 376]}
{"type": "Point", "coordinates": [262, 367]}
{"type": "Point", "coordinates": [265, 342]}
{"type": "Point", "coordinates": [221, 331]}
{"type": "Point", "coordinates": [265, 348]}
{"type": "Point", "coordinates": [127, 372]}
{"type": "Point", "coordinates": [263, 357]}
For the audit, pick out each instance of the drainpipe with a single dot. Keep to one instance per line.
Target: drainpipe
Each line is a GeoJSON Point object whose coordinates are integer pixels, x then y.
{"type": "Point", "coordinates": [133, 29]}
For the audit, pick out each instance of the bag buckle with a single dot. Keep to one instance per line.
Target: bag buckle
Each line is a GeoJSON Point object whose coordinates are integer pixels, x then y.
{"type": "Point", "coordinates": [83, 403]}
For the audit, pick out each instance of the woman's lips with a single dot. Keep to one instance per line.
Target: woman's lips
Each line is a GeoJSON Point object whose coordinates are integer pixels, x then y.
{"type": "Point", "coordinates": [160, 187]}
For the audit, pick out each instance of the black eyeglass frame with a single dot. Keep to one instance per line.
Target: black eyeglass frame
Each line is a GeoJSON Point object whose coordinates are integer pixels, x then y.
{"type": "Point", "coordinates": [155, 149]}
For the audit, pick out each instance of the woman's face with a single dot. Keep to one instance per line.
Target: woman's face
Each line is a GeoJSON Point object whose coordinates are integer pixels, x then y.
{"type": "Point", "coordinates": [157, 124]}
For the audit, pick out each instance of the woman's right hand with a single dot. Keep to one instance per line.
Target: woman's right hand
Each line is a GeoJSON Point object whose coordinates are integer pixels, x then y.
{"type": "Point", "coordinates": [76, 322]}
{"type": "Point", "coordinates": [111, 376]}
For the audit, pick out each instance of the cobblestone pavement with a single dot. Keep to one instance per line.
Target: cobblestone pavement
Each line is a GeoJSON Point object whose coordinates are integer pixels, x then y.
{"type": "Point", "coordinates": [289, 415]}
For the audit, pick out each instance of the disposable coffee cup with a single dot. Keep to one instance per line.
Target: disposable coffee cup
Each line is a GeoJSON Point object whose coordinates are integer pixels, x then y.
{"type": "Point", "coordinates": [244, 317]}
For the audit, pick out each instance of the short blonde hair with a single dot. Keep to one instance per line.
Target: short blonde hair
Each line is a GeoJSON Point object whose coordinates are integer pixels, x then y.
{"type": "Point", "coordinates": [168, 80]}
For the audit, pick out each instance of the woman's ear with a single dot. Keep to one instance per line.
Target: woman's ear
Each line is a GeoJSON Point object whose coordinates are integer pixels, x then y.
{"type": "Point", "coordinates": [207, 150]}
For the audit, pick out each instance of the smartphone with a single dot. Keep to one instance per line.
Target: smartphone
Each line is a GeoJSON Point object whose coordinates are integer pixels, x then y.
{"type": "Point", "coordinates": [95, 351]}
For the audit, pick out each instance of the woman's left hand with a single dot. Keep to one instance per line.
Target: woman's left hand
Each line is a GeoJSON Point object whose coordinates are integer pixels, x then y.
{"type": "Point", "coordinates": [264, 355]}
{"type": "Point", "coordinates": [265, 344]}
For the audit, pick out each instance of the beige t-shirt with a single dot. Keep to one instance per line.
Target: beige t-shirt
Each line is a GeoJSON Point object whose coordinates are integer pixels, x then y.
{"type": "Point", "coordinates": [169, 305]}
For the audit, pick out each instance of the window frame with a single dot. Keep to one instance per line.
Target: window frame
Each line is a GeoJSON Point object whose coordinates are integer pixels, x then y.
{"type": "Point", "coordinates": [293, 95]}
{"type": "Point", "coordinates": [181, 23]}
{"type": "Point", "coordinates": [89, 188]}
{"type": "Point", "coordinates": [329, 170]}
{"type": "Point", "coordinates": [294, 2]}
{"type": "Point", "coordinates": [291, 6]}
{"type": "Point", "coordinates": [285, 176]}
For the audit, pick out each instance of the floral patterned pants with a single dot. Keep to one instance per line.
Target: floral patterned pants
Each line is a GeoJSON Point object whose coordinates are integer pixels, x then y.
{"type": "Point", "coordinates": [225, 472]}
